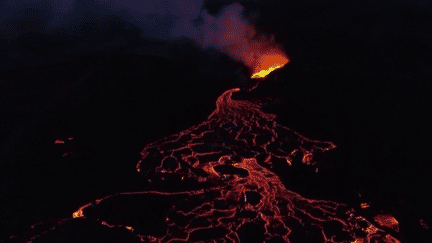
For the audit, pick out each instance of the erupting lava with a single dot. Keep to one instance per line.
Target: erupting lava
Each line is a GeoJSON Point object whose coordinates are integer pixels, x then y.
{"type": "Point", "coordinates": [232, 33]}
{"type": "Point", "coordinates": [268, 63]}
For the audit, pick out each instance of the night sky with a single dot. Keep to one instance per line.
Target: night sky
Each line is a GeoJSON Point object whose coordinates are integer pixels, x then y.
{"type": "Point", "coordinates": [109, 77]}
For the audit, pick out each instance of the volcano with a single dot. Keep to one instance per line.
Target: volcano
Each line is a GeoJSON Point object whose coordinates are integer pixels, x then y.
{"type": "Point", "coordinates": [109, 137]}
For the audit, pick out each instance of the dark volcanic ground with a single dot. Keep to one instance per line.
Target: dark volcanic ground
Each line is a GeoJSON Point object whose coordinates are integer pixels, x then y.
{"type": "Point", "coordinates": [359, 77]}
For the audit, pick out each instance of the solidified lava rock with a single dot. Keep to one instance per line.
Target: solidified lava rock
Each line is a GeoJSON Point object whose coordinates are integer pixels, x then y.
{"type": "Point", "coordinates": [208, 234]}
{"type": "Point", "coordinates": [251, 233]}
{"type": "Point", "coordinates": [253, 197]}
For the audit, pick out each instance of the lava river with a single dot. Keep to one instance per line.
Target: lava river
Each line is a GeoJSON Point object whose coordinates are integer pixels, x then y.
{"type": "Point", "coordinates": [238, 197]}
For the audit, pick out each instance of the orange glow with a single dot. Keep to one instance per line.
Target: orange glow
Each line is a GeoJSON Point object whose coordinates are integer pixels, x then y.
{"type": "Point", "coordinates": [231, 33]}
{"type": "Point", "coordinates": [387, 221]}
{"type": "Point", "coordinates": [107, 225]}
{"type": "Point", "coordinates": [269, 63]}
{"type": "Point", "coordinates": [390, 239]}
{"type": "Point", "coordinates": [78, 214]}
{"type": "Point", "coordinates": [58, 141]}
{"type": "Point", "coordinates": [359, 240]}
{"type": "Point", "coordinates": [364, 205]}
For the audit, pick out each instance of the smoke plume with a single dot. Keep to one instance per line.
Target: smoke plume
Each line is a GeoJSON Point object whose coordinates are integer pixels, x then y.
{"type": "Point", "coordinates": [232, 33]}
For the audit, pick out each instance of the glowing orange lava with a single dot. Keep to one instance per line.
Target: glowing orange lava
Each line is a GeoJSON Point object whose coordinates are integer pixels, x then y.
{"type": "Point", "coordinates": [268, 63]}
{"type": "Point", "coordinates": [387, 221]}
{"type": "Point", "coordinates": [232, 157]}
{"type": "Point", "coordinates": [364, 205]}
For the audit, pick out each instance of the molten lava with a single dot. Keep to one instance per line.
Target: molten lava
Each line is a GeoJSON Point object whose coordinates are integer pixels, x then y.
{"type": "Point", "coordinates": [231, 159]}
{"type": "Point", "coordinates": [268, 63]}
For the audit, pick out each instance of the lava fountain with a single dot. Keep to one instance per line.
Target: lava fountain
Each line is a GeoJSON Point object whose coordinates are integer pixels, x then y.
{"type": "Point", "coordinates": [269, 62]}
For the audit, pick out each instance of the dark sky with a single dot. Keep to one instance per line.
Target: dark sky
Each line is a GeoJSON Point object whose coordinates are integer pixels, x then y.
{"type": "Point", "coordinates": [359, 76]}
{"type": "Point", "coordinates": [157, 19]}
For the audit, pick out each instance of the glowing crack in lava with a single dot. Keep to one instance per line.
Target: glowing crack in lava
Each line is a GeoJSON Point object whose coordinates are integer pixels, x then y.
{"type": "Point", "coordinates": [232, 157]}
{"type": "Point", "coordinates": [268, 63]}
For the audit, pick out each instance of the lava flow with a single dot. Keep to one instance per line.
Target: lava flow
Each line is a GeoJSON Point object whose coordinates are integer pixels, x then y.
{"type": "Point", "coordinates": [238, 195]}
{"type": "Point", "coordinates": [235, 151]}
